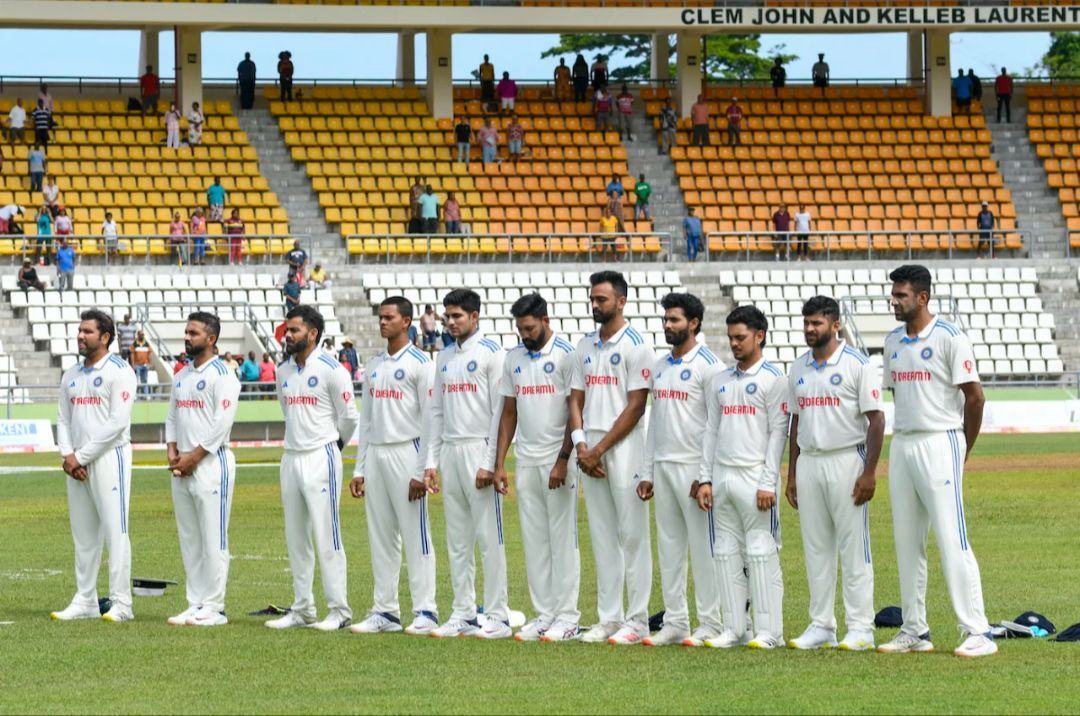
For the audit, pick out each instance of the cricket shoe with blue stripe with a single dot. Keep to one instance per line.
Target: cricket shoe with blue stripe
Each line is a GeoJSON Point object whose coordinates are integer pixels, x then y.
{"type": "Point", "coordinates": [904, 643]}
{"type": "Point", "coordinates": [457, 627]}
{"type": "Point", "coordinates": [533, 630]}
{"type": "Point", "coordinates": [423, 624]}
{"type": "Point", "coordinates": [377, 623]}
{"type": "Point", "coordinates": [494, 629]}
{"type": "Point", "coordinates": [335, 620]}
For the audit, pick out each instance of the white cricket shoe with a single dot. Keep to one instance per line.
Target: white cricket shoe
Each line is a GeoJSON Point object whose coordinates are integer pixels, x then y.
{"type": "Point", "coordinates": [904, 643]}
{"type": "Point", "coordinates": [533, 630]}
{"type": "Point", "coordinates": [667, 636]}
{"type": "Point", "coordinates": [814, 637]}
{"type": "Point", "coordinates": [494, 629]}
{"type": "Point", "coordinates": [422, 625]}
{"type": "Point", "coordinates": [291, 620]}
{"type": "Point", "coordinates": [561, 631]}
{"type": "Point", "coordinates": [976, 645]}
{"type": "Point", "coordinates": [73, 611]}
{"type": "Point", "coordinates": [700, 636]}
{"type": "Point", "coordinates": [208, 618]}
{"type": "Point", "coordinates": [181, 619]}
{"type": "Point", "coordinates": [857, 641]}
{"type": "Point", "coordinates": [334, 620]}
{"type": "Point", "coordinates": [629, 634]}
{"type": "Point", "coordinates": [377, 623]}
{"type": "Point", "coordinates": [726, 640]}
{"type": "Point", "coordinates": [765, 642]}
{"type": "Point", "coordinates": [457, 627]}
{"type": "Point", "coordinates": [117, 614]}
{"type": "Point", "coordinates": [600, 633]}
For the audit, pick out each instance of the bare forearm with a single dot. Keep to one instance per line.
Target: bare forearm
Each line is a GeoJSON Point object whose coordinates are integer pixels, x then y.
{"type": "Point", "coordinates": [973, 416]}
{"type": "Point", "coordinates": [507, 428]}
{"type": "Point", "coordinates": [875, 436]}
{"type": "Point", "coordinates": [793, 447]}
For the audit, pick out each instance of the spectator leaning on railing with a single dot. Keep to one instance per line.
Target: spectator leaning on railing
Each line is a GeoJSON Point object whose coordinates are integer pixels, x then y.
{"type": "Point", "coordinates": [267, 372]}
{"type": "Point", "coordinates": [198, 237]}
{"type": "Point", "coordinates": [65, 265]}
{"type": "Point", "coordinates": [249, 372]}
{"type": "Point", "coordinates": [110, 234]}
{"type": "Point", "coordinates": [234, 229]}
{"type": "Point", "coordinates": [178, 239]}
{"type": "Point", "coordinates": [296, 260]}
{"type": "Point", "coordinates": [43, 240]}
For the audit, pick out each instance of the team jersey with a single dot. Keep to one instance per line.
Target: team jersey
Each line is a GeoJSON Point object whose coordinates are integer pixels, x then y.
{"type": "Point", "coordinates": [925, 372]}
{"type": "Point", "coordinates": [679, 389]}
{"type": "Point", "coordinates": [317, 400]}
{"type": "Point", "coordinates": [832, 398]}
{"type": "Point", "coordinates": [747, 422]}
{"type": "Point", "coordinates": [607, 371]}
{"type": "Point", "coordinates": [95, 408]}
{"type": "Point", "coordinates": [540, 384]}
{"type": "Point", "coordinates": [202, 407]}
{"type": "Point", "coordinates": [395, 404]}
{"type": "Point", "coordinates": [466, 401]}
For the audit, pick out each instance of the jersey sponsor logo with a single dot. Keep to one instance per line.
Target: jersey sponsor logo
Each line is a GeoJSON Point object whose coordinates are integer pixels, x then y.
{"type": "Point", "coordinates": [751, 389]}
{"type": "Point", "coordinates": [819, 401]}
{"type": "Point", "coordinates": [302, 400]}
{"type": "Point", "coordinates": [927, 353]}
{"type": "Point", "coordinates": [346, 396]}
{"type": "Point", "coordinates": [911, 376]}
{"type": "Point", "coordinates": [383, 393]}
{"type": "Point", "coordinates": [313, 381]}
{"type": "Point", "coordinates": [471, 367]}
{"type": "Point", "coordinates": [835, 379]}
{"type": "Point", "coordinates": [226, 403]}
{"type": "Point", "coordinates": [685, 375]}
{"type": "Point", "coordinates": [616, 359]}
{"type": "Point", "coordinates": [645, 373]}
{"type": "Point", "coordinates": [194, 403]}
{"type": "Point", "coordinates": [968, 366]}
{"type": "Point", "coordinates": [125, 396]}
{"type": "Point", "coordinates": [87, 400]}
{"type": "Point", "coordinates": [97, 382]}
{"type": "Point", "coordinates": [399, 374]}
{"type": "Point", "coordinates": [534, 390]}
{"type": "Point", "coordinates": [460, 388]}
{"type": "Point", "coordinates": [200, 385]}
{"type": "Point", "coordinates": [875, 394]}
{"type": "Point", "coordinates": [740, 410]}
{"type": "Point", "coordinates": [601, 380]}
{"type": "Point", "coordinates": [549, 367]}
{"type": "Point", "coordinates": [669, 394]}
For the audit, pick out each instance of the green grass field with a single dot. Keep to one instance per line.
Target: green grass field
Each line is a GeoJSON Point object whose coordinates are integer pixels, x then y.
{"type": "Point", "coordinates": [1024, 523]}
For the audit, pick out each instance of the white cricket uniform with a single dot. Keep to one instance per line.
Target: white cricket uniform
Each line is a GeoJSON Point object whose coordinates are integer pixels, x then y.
{"type": "Point", "coordinates": [466, 406]}
{"type": "Point", "coordinates": [618, 519]}
{"type": "Point", "coordinates": [94, 423]}
{"type": "Point", "coordinates": [317, 400]}
{"type": "Point", "coordinates": [926, 469]}
{"type": "Point", "coordinates": [673, 464]}
{"type": "Point", "coordinates": [390, 455]}
{"type": "Point", "coordinates": [831, 400]}
{"type": "Point", "coordinates": [540, 384]}
{"type": "Point", "coordinates": [742, 448]}
{"type": "Point", "coordinates": [202, 408]}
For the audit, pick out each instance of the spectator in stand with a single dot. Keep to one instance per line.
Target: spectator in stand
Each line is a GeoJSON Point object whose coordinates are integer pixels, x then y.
{"type": "Point", "coordinates": [198, 237]}
{"type": "Point", "coordinates": [215, 199]}
{"type": "Point", "coordinates": [414, 335]}
{"type": "Point", "coordinates": [234, 230]}
{"type": "Point", "coordinates": [285, 71]}
{"type": "Point", "coordinates": [609, 227]}
{"type": "Point", "coordinates": [178, 238]}
{"type": "Point", "coordinates": [296, 260]}
{"type": "Point", "coordinates": [328, 346]}
{"type": "Point", "coordinates": [45, 98]}
{"type": "Point", "coordinates": [778, 75]}
{"type": "Point", "coordinates": [692, 231]}
{"type": "Point", "coordinates": [580, 76]}
{"type": "Point", "coordinates": [28, 277]}
{"type": "Point", "coordinates": [600, 74]}
{"type": "Point", "coordinates": [508, 91]}
{"type": "Point", "coordinates": [348, 354]}
{"type": "Point", "coordinates": [452, 214]}
{"type": "Point", "coordinates": [734, 115]}
{"type": "Point", "coordinates": [962, 92]}
{"type": "Point", "coordinates": [43, 240]}
{"type": "Point", "coordinates": [245, 77]}
{"type": "Point", "coordinates": [149, 90]}
{"type": "Point", "coordinates": [1003, 89]}
{"type": "Point", "coordinates": [985, 222]}
{"type": "Point", "coordinates": [416, 224]}
{"type": "Point", "coordinates": [141, 353]}
{"type": "Point", "coordinates": [291, 292]}
{"type": "Point", "coordinates": [36, 162]}
{"type": "Point", "coordinates": [429, 210]}
{"type": "Point", "coordinates": [624, 105]}
{"type": "Point", "coordinates": [699, 118]}
{"type": "Point", "coordinates": [428, 328]}
{"type": "Point", "coordinates": [195, 121]}
{"type": "Point", "coordinates": [16, 122]}
{"type": "Point", "coordinates": [642, 190]}
{"type": "Point", "coordinates": [182, 361]}
{"type": "Point", "coordinates": [65, 265]}
{"type": "Point", "coordinates": [615, 193]}
{"type": "Point", "coordinates": [249, 372]}
{"type": "Point", "coordinates": [63, 225]}
{"type": "Point", "coordinates": [669, 127]}
{"type": "Point", "coordinates": [110, 234]}
{"type": "Point", "coordinates": [319, 278]}
{"type": "Point", "coordinates": [125, 336]}
{"type": "Point", "coordinates": [802, 234]}
{"type": "Point", "coordinates": [267, 373]}
{"type": "Point", "coordinates": [488, 136]}
{"type": "Point", "coordinates": [8, 215]}
{"type": "Point", "coordinates": [819, 73]}
{"type": "Point", "coordinates": [562, 81]}
{"type": "Point", "coordinates": [975, 84]}
{"type": "Point", "coordinates": [515, 139]}
{"type": "Point", "coordinates": [51, 194]}
{"type": "Point", "coordinates": [231, 363]}
{"type": "Point", "coordinates": [463, 135]}
{"type": "Point", "coordinates": [603, 103]}
{"type": "Point", "coordinates": [781, 220]}
{"type": "Point", "coordinates": [487, 80]}
{"type": "Point", "coordinates": [172, 127]}
{"type": "Point", "coordinates": [447, 339]}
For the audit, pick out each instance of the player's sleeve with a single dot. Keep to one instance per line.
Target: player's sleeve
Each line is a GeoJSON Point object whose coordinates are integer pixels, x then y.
{"type": "Point", "coordinates": [639, 372]}
{"type": "Point", "coordinates": [793, 402]}
{"type": "Point", "coordinates": [962, 360]}
{"type": "Point", "coordinates": [495, 405]}
{"type": "Point", "coordinates": [869, 389]}
{"type": "Point", "coordinates": [280, 384]}
{"type": "Point", "coordinates": [435, 421]}
{"type": "Point", "coordinates": [121, 401]}
{"type": "Point", "coordinates": [506, 385]}
{"type": "Point", "coordinates": [171, 418]}
{"type": "Point", "coordinates": [226, 398]}
{"type": "Point", "coordinates": [577, 371]}
{"type": "Point", "coordinates": [712, 424]}
{"type": "Point", "coordinates": [886, 371]}
{"type": "Point", "coordinates": [362, 432]}
{"type": "Point", "coordinates": [344, 404]}
{"type": "Point", "coordinates": [63, 420]}
{"type": "Point", "coordinates": [776, 410]}
{"type": "Point", "coordinates": [425, 380]}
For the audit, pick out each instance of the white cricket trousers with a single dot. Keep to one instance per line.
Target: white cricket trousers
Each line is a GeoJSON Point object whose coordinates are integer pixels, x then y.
{"type": "Point", "coordinates": [681, 524]}
{"type": "Point", "coordinates": [393, 521]}
{"type": "Point", "coordinates": [473, 517]}
{"type": "Point", "coordinates": [831, 523]}
{"type": "Point", "coordinates": [549, 532]}
{"type": "Point", "coordinates": [203, 503]}
{"type": "Point", "coordinates": [98, 508]}
{"type": "Point", "coordinates": [747, 538]}
{"type": "Point", "coordinates": [926, 472]}
{"type": "Point", "coordinates": [619, 529]}
{"type": "Point", "coordinates": [311, 495]}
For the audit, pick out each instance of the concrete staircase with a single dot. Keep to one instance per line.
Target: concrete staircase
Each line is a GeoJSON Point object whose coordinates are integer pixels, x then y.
{"type": "Point", "coordinates": [1058, 290]}
{"type": "Point", "coordinates": [702, 281]}
{"type": "Point", "coordinates": [643, 157]}
{"type": "Point", "coordinates": [35, 368]}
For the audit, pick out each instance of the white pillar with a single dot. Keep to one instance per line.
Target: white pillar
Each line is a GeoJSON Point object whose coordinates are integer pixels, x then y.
{"type": "Point", "coordinates": [660, 57]}
{"type": "Point", "coordinates": [149, 53]}
{"type": "Point", "coordinates": [915, 55]}
{"type": "Point", "coordinates": [688, 57]}
{"type": "Point", "coordinates": [938, 74]}
{"type": "Point", "coordinates": [440, 85]}
{"type": "Point", "coordinates": [406, 57]}
{"type": "Point", "coordinates": [188, 67]}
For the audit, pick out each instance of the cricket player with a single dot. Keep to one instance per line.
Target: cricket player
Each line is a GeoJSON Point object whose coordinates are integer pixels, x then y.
{"type": "Point", "coordinates": [465, 409]}
{"type": "Point", "coordinates": [389, 475]}
{"type": "Point", "coordinates": [930, 367]}
{"type": "Point", "coordinates": [94, 434]}
{"type": "Point", "coordinates": [316, 395]}
{"type": "Point", "coordinates": [535, 387]}
{"type": "Point", "coordinates": [740, 476]}
{"type": "Point", "coordinates": [202, 408]}
{"type": "Point", "coordinates": [837, 426]}
{"type": "Point", "coordinates": [610, 384]}
{"type": "Point", "coordinates": [672, 466]}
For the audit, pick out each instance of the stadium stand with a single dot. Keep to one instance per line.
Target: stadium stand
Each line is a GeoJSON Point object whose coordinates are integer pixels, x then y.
{"type": "Point", "coordinates": [1053, 122]}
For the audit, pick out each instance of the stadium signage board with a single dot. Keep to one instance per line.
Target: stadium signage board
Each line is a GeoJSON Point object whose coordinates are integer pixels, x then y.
{"type": "Point", "coordinates": [883, 17]}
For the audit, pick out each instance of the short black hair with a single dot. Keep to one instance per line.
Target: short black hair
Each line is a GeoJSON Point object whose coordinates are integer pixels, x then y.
{"type": "Point", "coordinates": [103, 320]}
{"type": "Point", "coordinates": [752, 318]}
{"type": "Point", "coordinates": [531, 304]}
{"type": "Point", "coordinates": [464, 298]}
{"type": "Point", "coordinates": [824, 305]}
{"type": "Point", "coordinates": [691, 306]}
{"type": "Point", "coordinates": [212, 322]}
{"type": "Point", "coordinates": [918, 276]}
{"type": "Point", "coordinates": [614, 278]}
{"type": "Point", "coordinates": [311, 318]}
{"type": "Point", "coordinates": [403, 305]}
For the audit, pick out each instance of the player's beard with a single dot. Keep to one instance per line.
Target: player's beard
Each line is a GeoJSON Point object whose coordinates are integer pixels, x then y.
{"type": "Point", "coordinates": [537, 344]}
{"type": "Point", "coordinates": [85, 349]}
{"type": "Point", "coordinates": [298, 346]}
{"type": "Point", "coordinates": [822, 340]}
{"type": "Point", "coordinates": [602, 318]}
{"type": "Point", "coordinates": [192, 350]}
{"type": "Point", "coordinates": [677, 338]}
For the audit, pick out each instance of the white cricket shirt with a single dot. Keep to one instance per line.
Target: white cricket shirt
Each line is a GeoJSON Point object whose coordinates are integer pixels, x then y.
{"type": "Point", "coordinates": [832, 399]}
{"type": "Point", "coordinates": [607, 372]}
{"type": "Point", "coordinates": [540, 384]}
{"type": "Point", "coordinates": [95, 408]}
{"type": "Point", "coordinates": [202, 406]}
{"type": "Point", "coordinates": [317, 400]}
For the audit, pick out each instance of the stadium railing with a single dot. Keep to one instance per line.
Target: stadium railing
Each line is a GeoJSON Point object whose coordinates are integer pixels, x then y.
{"type": "Point", "coordinates": [508, 248]}
{"type": "Point", "coordinates": [158, 248]}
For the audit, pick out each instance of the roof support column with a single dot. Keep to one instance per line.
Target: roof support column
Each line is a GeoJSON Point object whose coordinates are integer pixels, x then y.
{"type": "Point", "coordinates": [189, 85]}
{"type": "Point", "coordinates": [148, 50]}
{"type": "Point", "coordinates": [440, 84]}
{"type": "Point", "coordinates": [660, 58]}
{"type": "Point", "coordinates": [406, 57]}
{"type": "Point", "coordinates": [938, 74]}
{"type": "Point", "coordinates": [688, 54]}
{"type": "Point", "coordinates": [915, 56]}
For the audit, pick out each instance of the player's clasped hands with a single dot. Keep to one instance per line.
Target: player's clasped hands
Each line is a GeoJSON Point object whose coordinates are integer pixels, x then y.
{"type": "Point", "coordinates": [73, 468]}
{"type": "Point", "coordinates": [431, 481]}
{"type": "Point", "coordinates": [644, 490]}
{"type": "Point", "coordinates": [590, 461]}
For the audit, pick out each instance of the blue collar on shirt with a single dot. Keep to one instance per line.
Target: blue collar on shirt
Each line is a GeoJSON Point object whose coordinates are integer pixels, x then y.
{"type": "Point", "coordinates": [922, 335]}
{"type": "Point", "coordinates": [831, 360]}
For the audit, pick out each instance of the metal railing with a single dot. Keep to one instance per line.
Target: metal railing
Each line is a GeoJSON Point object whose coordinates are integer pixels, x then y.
{"type": "Point", "coordinates": [146, 314]}
{"type": "Point", "coordinates": [508, 248]}
{"type": "Point", "coordinates": [946, 305]}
